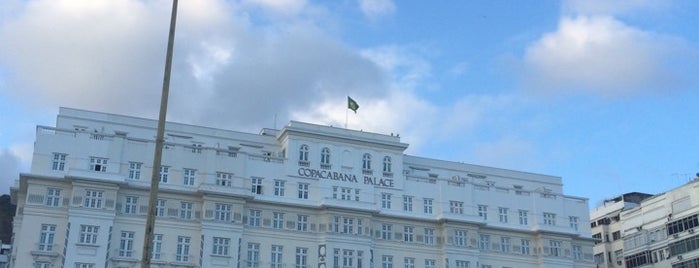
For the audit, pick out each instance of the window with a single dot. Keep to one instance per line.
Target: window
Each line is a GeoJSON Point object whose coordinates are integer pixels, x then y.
{"type": "Point", "coordinates": [224, 179]}
{"type": "Point", "coordinates": [88, 234]}
{"type": "Point", "coordinates": [347, 258]}
{"type": "Point", "coordinates": [276, 261]}
{"type": "Point", "coordinates": [456, 207]}
{"type": "Point", "coordinates": [505, 244]}
{"type": "Point", "coordinates": [222, 212]}
{"type": "Point", "coordinates": [126, 244]}
{"type": "Point", "coordinates": [48, 232]}
{"type": "Point", "coordinates": [164, 173]}
{"type": "Point", "coordinates": [93, 199]}
{"type": "Point", "coordinates": [277, 220]}
{"type": "Point", "coordinates": [189, 176]}
{"type": "Point", "coordinates": [325, 158]}
{"type": "Point", "coordinates": [157, 246]}
{"type": "Point", "coordinates": [429, 236]}
{"type": "Point", "coordinates": [386, 231]}
{"type": "Point", "coordinates": [483, 212]}
{"type": "Point", "coordinates": [461, 264]}
{"type": "Point", "coordinates": [599, 258]}
{"type": "Point", "coordinates": [573, 222]}
{"type": "Point", "coordinates": [256, 185]}
{"type": "Point", "coordinates": [347, 194]}
{"type": "Point", "coordinates": [135, 170]}
{"type": "Point", "coordinates": [577, 252]}
{"type": "Point", "coordinates": [186, 210]}
{"type": "Point", "coordinates": [347, 225]}
{"type": "Point", "coordinates": [53, 197]}
{"type": "Point", "coordinates": [386, 261]}
{"type": "Point", "coordinates": [555, 246]}
{"type": "Point", "coordinates": [160, 208]}
{"type": "Point", "coordinates": [366, 162]}
{"type": "Point", "coordinates": [84, 265]}
{"type": "Point", "coordinates": [220, 247]}
{"type": "Point", "coordinates": [430, 263]}
{"type": "Point", "coordinates": [408, 234]}
{"type": "Point", "coordinates": [303, 153]}
{"type": "Point", "coordinates": [303, 190]}
{"type": "Point", "coordinates": [301, 257]}
{"type": "Point", "coordinates": [233, 151]}
{"type": "Point", "coordinates": [279, 187]}
{"type": "Point", "coordinates": [42, 264]}
{"type": "Point", "coordinates": [182, 254]}
{"type": "Point", "coordinates": [196, 148]}
{"type": "Point", "coordinates": [253, 260]}
{"type": "Point", "coordinates": [98, 164]}
{"type": "Point", "coordinates": [549, 218]}
{"type": "Point", "coordinates": [130, 205]}
{"type": "Point", "coordinates": [360, 256]}
{"type": "Point", "coordinates": [254, 217]}
{"type": "Point", "coordinates": [386, 200]}
{"type": "Point", "coordinates": [407, 203]}
{"type": "Point", "coordinates": [460, 238]}
{"type": "Point", "coordinates": [523, 217]}
{"type": "Point", "coordinates": [59, 162]}
{"type": "Point", "coordinates": [524, 246]}
{"type": "Point", "coordinates": [484, 242]}
{"type": "Point", "coordinates": [503, 214]}
{"type": "Point", "coordinates": [616, 235]}
{"type": "Point", "coordinates": [387, 164]}
{"type": "Point", "coordinates": [302, 223]}
{"type": "Point", "coordinates": [427, 205]}
{"type": "Point", "coordinates": [409, 262]}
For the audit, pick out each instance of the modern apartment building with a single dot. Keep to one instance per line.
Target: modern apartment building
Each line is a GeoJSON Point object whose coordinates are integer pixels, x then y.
{"type": "Point", "coordinates": [301, 196]}
{"type": "Point", "coordinates": [607, 229]}
{"type": "Point", "coordinates": [663, 230]}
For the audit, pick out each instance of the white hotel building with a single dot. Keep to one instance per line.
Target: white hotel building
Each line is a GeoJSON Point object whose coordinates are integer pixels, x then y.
{"type": "Point", "coordinates": [302, 196]}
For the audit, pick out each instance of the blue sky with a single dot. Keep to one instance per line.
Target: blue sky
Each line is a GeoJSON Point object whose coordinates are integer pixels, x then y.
{"type": "Point", "coordinates": [602, 93]}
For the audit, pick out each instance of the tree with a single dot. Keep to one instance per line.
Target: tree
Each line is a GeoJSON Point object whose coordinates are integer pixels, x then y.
{"type": "Point", "coordinates": [7, 213]}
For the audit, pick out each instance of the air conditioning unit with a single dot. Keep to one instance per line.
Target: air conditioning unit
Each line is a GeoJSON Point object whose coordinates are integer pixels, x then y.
{"type": "Point", "coordinates": [675, 235]}
{"type": "Point", "coordinates": [691, 231]}
{"type": "Point", "coordinates": [679, 257]}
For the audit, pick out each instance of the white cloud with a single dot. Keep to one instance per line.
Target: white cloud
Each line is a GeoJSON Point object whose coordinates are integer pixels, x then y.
{"type": "Point", "coordinates": [289, 7]}
{"type": "Point", "coordinates": [376, 8]}
{"type": "Point", "coordinates": [602, 55]}
{"type": "Point", "coordinates": [108, 56]}
{"type": "Point", "coordinates": [612, 7]}
{"type": "Point", "coordinates": [508, 151]}
{"type": "Point", "coordinates": [9, 170]}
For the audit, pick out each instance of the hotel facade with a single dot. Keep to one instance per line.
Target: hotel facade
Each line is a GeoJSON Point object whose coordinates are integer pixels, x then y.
{"type": "Point", "coordinates": [301, 196]}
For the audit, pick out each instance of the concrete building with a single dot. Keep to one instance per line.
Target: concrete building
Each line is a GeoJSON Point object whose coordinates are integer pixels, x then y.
{"type": "Point", "coordinates": [302, 196]}
{"type": "Point", "coordinates": [607, 229]}
{"type": "Point", "coordinates": [661, 231]}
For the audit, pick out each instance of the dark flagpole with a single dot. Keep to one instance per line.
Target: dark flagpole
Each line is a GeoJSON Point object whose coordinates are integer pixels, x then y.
{"type": "Point", "coordinates": [159, 140]}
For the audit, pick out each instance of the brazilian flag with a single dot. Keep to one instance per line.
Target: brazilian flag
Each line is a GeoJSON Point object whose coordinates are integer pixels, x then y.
{"type": "Point", "coordinates": [352, 105]}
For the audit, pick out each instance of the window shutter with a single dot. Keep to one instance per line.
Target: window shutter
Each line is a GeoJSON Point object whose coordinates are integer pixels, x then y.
{"type": "Point", "coordinates": [77, 201]}
{"type": "Point", "coordinates": [109, 203]}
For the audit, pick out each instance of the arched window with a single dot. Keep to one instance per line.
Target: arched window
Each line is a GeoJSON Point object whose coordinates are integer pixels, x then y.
{"type": "Point", "coordinates": [366, 162]}
{"type": "Point", "coordinates": [387, 164]}
{"type": "Point", "coordinates": [303, 153]}
{"type": "Point", "coordinates": [325, 156]}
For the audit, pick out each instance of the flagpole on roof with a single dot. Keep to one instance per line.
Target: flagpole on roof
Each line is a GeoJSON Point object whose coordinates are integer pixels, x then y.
{"type": "Point", "coordinates": [159, 140]}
